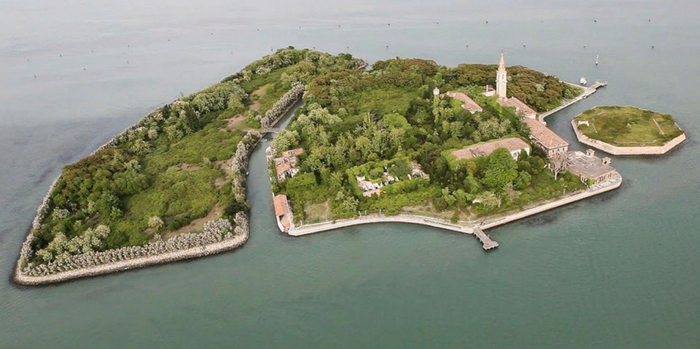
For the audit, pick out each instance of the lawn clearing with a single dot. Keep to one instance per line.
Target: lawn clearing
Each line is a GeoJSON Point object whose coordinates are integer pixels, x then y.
{"type": "Point", "coordinates": [628, 126]}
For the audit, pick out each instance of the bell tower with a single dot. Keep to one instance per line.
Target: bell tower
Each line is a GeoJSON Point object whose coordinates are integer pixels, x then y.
{"type": "Point", "coordinates": [501, 78]}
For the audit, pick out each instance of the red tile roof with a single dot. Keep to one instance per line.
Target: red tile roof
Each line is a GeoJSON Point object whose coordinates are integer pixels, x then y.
{"type": "Point", "coordinates": [512, 144]}
{"type": "Point", "coordinates": [282, 210]}
{"type": "Point", "coordinates": [520, 107]}
{"type": "Point", "coordinates": [544, 135]}
{"type": "Point", "coordinates": [469, 103]}
{"type": "Point", "coordinates": [293, 152]}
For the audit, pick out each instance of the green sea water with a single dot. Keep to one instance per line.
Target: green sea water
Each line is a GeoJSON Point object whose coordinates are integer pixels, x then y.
{"type": "Point", "coordinates": [615, 271]}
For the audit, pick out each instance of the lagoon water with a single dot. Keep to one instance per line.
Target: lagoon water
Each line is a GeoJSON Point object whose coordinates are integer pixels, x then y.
{"type": "Point", "coordinates": [616, 271]}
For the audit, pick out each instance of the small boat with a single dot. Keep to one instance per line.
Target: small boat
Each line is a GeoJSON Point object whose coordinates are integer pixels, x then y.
{"type": "Point", "coordinates": [247, 173]}
{"type": "Point", "coordinates": [583, 81]}
{"type": "Point", "coordinates": [596, 59]}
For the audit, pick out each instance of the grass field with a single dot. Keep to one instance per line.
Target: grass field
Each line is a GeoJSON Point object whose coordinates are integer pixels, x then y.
{"type": "Point", "coordinates": [628, 126]}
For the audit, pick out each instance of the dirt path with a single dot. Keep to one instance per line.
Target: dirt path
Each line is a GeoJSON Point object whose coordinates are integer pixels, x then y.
{"type": "Point", "coordinates": [659, 127]}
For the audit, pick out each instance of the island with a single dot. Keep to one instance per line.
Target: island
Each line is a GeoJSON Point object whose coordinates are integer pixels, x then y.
{"type": "Point", "coordinates": [407, 140]}
{"type": "Point", "coordinates": [628, 130]}
{"type": "Point", "coordinates": [172, 186]}
{"type": "Point", "coordinates": [415, 142]}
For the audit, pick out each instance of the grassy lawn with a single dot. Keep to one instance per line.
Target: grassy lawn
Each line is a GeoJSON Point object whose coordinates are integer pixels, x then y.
{"type": "Point", "coordinates": [317, 212]}
{"type": "Point", "coordinates": [628, 126]}
{"type": "Point", "coordinates": [386, 100]}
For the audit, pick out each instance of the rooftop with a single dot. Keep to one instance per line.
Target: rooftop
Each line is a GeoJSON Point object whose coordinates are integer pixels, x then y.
{"type": "Point", "coordinates": [544, 135]}
{"type": "Point", "coordinates": [282, 210]}
{"type": "Point", "coordinates": [591, 166]}
{"type": "Point", "coordinates": [293, 152]}
{"type": "Point", "coordinates": [483, 149]}
{"type": "Point", "coordinates": [468, 103]}
{"type": "Point", "coordinates": [520, 107]}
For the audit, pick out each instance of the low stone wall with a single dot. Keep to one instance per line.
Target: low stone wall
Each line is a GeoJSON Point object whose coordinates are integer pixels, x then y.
{"type": "Point", "coordinates": [194, 252]}
{"type": "Point", "coordinates": [615, 150]}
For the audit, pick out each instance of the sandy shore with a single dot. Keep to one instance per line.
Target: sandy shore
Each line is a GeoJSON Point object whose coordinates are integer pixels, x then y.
{"type": "Point", "coordinates": [194, 252]}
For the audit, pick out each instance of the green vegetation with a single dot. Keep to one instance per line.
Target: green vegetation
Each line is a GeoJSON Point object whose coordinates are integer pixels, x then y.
{"type": "Point", "coordinates": [181, 163]}
{"type": "Point", "coordinates": [371, 126]}
{"type": "Point", "coordinates": [628, 126]}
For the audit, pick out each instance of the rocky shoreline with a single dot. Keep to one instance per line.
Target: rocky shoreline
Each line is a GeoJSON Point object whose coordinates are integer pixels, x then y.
{"type": "Point", "coordinates": [200, 251]}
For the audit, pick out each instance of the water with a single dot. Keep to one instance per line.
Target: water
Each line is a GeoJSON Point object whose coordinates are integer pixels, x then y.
{"type": "Point", "coordinates": [613, 271]}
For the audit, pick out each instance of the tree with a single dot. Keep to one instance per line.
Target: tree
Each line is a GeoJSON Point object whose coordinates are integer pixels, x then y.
{"type": "Point", "coordinates": [558, 164]}
{"type": "Point", "coordinates": [155, 223]}
{"type": "Point", "coordinates": [285, 140]}
{"type": "Point", "coordinates": [501, 171]}
{"type": "Point", "coordinates": [345, 205]}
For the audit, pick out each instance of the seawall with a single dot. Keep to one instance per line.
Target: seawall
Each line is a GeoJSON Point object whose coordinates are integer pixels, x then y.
{"type": "Point", "coordinates": [488, 223]}
{"type": "Point", "coordinates": [375, 218]}
{"type": "Point", "coordinates": [596, 190]}
{"type": "Point", "coordinates": [141, 262]}
{"type": "Point", "coordinates": [627, 151]}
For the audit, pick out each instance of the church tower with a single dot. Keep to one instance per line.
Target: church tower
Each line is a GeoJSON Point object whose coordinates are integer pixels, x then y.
{"type": "Point", "coordinates": [501, 79]}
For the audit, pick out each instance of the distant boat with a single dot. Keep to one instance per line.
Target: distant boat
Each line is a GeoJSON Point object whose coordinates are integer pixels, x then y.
{"type": "Point", "coordinates": [596, 59]}
{"type": "Point", "coordinates": [583, 81]}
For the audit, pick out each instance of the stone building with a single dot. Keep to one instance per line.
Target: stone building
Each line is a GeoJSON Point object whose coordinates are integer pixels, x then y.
{"type": "Point", "coordinates": [514, 146]}
{"type": "Point", "coordinates": [467, 103]}
{"type": "Point", "coordinates": [545, 139]}
{"type": "Point", "coordinates": [283, 213]}
{"type": "Point", "coordinates": [590, 167]}
{"type": "Point", "coordinates": [286, 165]}
{"type": "Point", "coordinates": [521, 109]}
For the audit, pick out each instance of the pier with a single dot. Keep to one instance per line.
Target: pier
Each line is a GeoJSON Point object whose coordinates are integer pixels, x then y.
{"type": "Point", "coordinates": [485, 239]}
{"type": "Point", "coordinates": [587, 91]}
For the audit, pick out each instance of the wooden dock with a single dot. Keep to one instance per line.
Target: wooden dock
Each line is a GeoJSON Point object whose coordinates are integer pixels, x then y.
{"type": "Point", "coordinates": [485, 239]}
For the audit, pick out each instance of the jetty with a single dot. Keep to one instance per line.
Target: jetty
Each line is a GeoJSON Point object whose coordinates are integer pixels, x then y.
{"type": "Point", "coordinates": [587, 91]}
{"type": "Point", "coordinates": [485, 239]}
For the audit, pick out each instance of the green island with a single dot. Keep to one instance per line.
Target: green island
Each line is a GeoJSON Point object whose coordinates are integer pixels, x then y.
{"type": "Point", "coordinates": [173, 181]}
{"type": "Point", "coordinates": [627, 130]}
{"type": "Point", "coordinates": [383, 141]}
{"type": "Point", "coordinates": [388, 142]}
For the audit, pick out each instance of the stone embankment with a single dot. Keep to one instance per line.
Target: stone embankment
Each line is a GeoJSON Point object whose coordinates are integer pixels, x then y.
{"type": "Point", "coordinates": [587, 91]}
{"type": "Point", "coordinates": [200, 251]}
{"type": "Point", "coordinates": [600, 188]}
{"type": "Point", "coordinates": [627, 151]}
{"type": "Point", "coordinates": [376, 218]}
{"type": "Point", "coordinates": [473, 228]}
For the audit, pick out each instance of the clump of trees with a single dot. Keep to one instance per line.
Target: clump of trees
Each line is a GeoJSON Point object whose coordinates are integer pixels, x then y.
{"type": "Point", "coordinates": [351, 127]}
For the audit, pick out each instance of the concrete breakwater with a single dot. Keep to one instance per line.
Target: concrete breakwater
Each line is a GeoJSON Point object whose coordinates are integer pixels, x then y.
{"type": "Point", "coordinates": [200, 251]}
{"type": "Point", "coordinates": [615, 150]}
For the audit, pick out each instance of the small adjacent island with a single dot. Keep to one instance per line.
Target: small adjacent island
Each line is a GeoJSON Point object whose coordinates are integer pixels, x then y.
{"type": "Point", "coordinates": [628, 130]}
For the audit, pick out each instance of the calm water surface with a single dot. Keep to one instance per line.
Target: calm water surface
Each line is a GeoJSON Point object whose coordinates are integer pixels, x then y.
{"type": "Point", "coordinates": [616, 271]}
